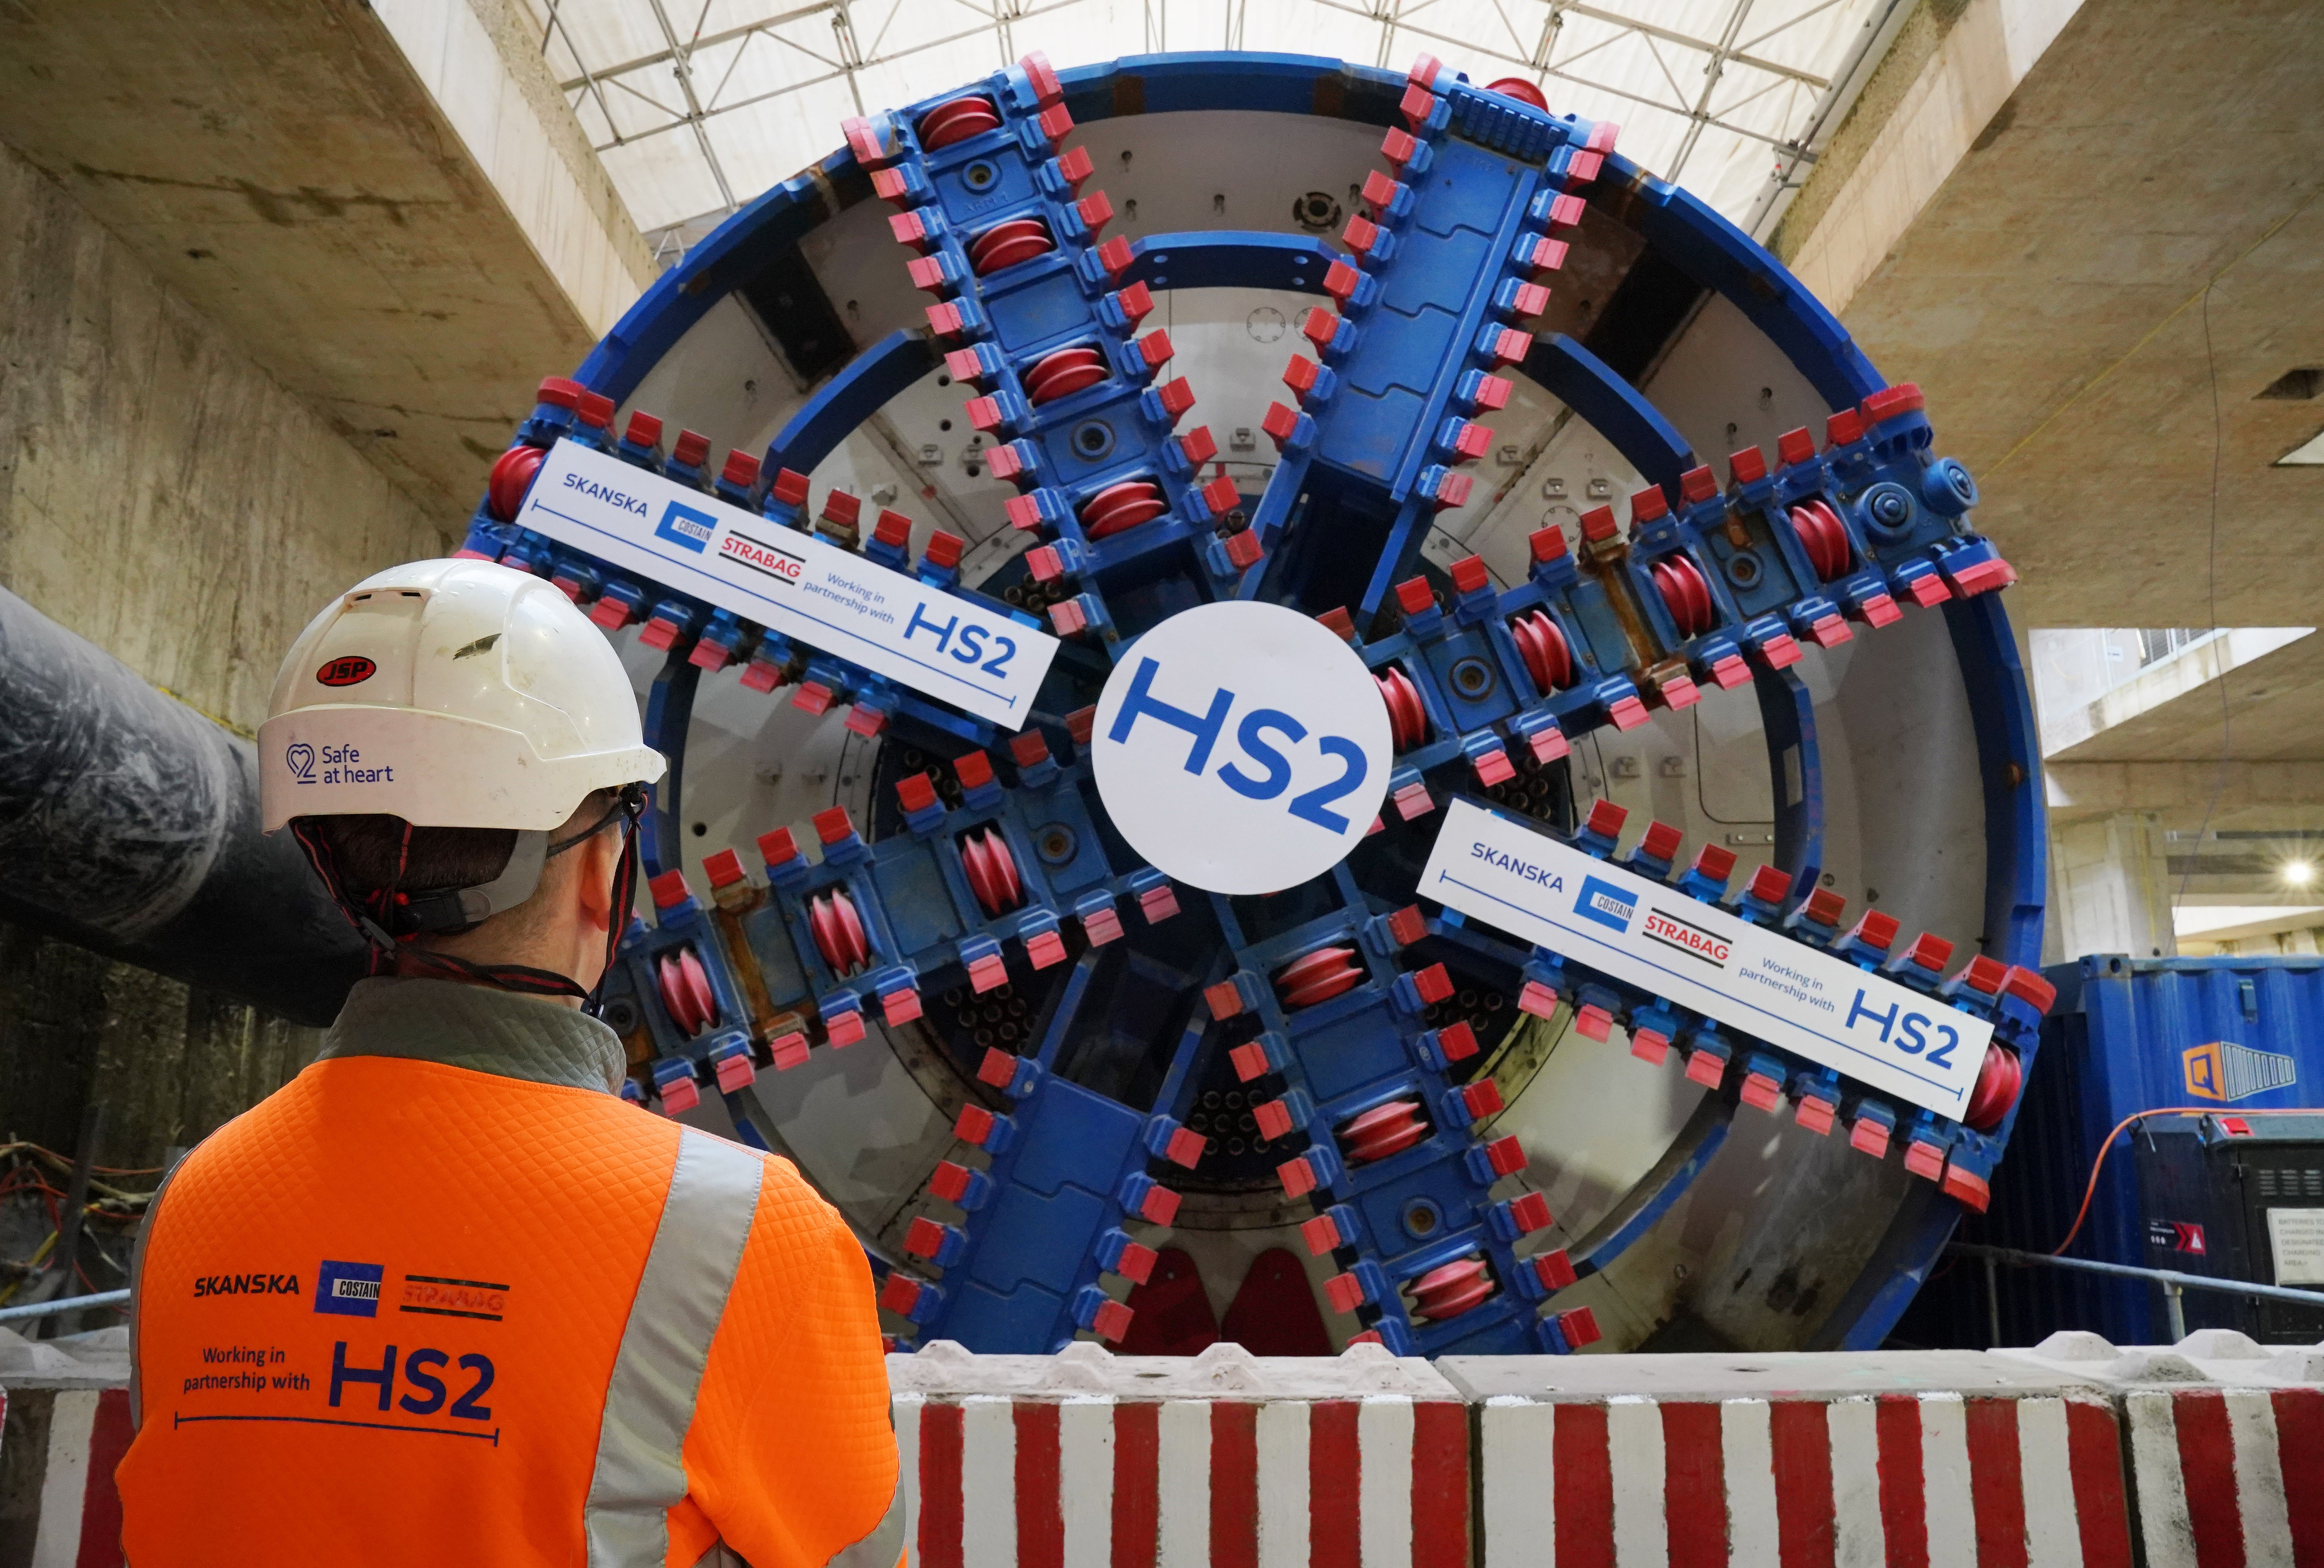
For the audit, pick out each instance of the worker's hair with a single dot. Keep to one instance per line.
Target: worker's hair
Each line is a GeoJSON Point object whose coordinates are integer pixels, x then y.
{"type": "Point", "coordinates": [368, 851]}
{"type": "Point", "coordinates": [371, 855]}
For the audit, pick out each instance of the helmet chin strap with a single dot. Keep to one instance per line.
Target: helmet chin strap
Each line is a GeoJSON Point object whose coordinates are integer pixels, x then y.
{"type": "Point", "coordinates": [392, 952]}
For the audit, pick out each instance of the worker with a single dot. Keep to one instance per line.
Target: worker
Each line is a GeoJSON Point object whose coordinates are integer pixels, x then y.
{"type": "Point", "coordinates": [446, 1298]}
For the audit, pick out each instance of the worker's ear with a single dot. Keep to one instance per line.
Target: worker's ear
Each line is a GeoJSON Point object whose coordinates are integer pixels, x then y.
{"type": "Point", "coordinates": [593, 877]}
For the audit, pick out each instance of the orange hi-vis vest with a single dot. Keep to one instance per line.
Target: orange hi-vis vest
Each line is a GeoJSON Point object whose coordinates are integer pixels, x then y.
{"type": "Point", "coordinates": [446, 1298]}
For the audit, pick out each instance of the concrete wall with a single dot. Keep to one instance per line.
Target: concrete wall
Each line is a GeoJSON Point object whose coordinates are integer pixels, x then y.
{"type": "Point", "coordinates": [166, 498]}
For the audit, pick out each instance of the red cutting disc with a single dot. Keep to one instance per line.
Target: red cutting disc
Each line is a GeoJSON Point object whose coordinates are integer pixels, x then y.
{"type": "Point", "coordinates": [1836, 539]}
{"type": "Point", "coordinates": [695, 981]}
{"type": "Point", "coordinates": [1998, 1079]}
{"type": "Point", "coordinates": [991, 872]}
{"type": "Point", "coordinates": [1004, 866]}
{"type": "Point", "coordinates": [1383, 1130]}
{"type": "Point", "coordinates": [1683, 590]}
{"type": "Point", "coordinates": [1451, 1290]}
{"type": "Point", "coordinates": [824, 927]}
{"type": "Point", "coordinates": [1122, 506]}
{"type": "Point", "coordinates": [675, 1000]}
{"type": "Point", "coordinates": [1408, 721]}
{"type": "Point", "coordinates": [1822, 537]}
{"type": "Point", "coordinates": [957, 121]}
{"type": "Point", "coordinates": [512, 474]}
{"type": "Point", "coordinates": [1803, 526]}
{"type": "Point", "coordinates": [1007, 244]}
{"type": "Point", "coordinates": [1320, 976]}
{"type": "Point", "coordinates": [1547, 658]}
{"type": "Point", "coordinates": [838, 932]}
{"type": "Point", "coordinates": [850, 929]}
{"type": "Point", "coordinates": [978, 864]}
{"type": "Point", "coordinates": [1673, 596]}
{"type": "Point", "coordinates": [1065, 372]}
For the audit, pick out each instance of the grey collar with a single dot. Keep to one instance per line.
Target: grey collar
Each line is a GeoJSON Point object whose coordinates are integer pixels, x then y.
{"type": "Point", "coordinates": [477, 1028]}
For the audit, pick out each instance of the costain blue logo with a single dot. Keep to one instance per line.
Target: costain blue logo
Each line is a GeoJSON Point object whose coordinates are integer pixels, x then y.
{"type": "Point", "coordinates": [1605, 903]}
{"type": "Point", "coordinates": [348, 1289]}
{"type": "Point", "coordinates": [684, 525]}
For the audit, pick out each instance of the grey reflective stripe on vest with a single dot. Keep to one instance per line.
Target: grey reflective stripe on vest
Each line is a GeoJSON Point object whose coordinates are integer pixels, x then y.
{"type": "Point", "coordinates": [714, 1191]}
{"type": "Point", "coordinates": [137, 1286]}
{"type": "Point", "coordinates": [883, 1545]}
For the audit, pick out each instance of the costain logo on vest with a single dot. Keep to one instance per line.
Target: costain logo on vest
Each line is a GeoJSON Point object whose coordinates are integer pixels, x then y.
{"type": "Point", "coordinates": [348, 1289]}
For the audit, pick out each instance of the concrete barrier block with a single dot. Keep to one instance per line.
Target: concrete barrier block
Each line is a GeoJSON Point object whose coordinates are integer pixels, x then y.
{"type": "Point", "coordinates": [1224, 1458]}
{"type": "Point", "coordinates": [1928, 1457]}
{"type": "Point", "coordinates": [2226, 1441]}
{"type": "Point", "coordinates": [59, 1445]}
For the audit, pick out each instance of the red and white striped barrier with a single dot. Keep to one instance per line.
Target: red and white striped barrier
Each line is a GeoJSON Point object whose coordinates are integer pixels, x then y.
{"type": "Point", "coordinates": [1938, 1459]}
{"type": "Point", "coordinates": [77, 1435]}
{"type": "Point", "coordinates": [1227, 1460]}
{"type": "Point", "coordinates": [2226, 1444]}
{"type": "Point", "coordinates": [1799, 1461]}
{"type": "Point", "coordinates": [2230, 1476]}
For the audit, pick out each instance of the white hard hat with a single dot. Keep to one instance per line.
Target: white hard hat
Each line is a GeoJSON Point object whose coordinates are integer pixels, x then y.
{"type": "Point", "coordinates": [451, 693]}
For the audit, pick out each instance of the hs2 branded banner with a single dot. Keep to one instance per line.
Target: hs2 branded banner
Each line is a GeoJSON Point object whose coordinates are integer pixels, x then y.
{"type": "Point", "coordinates": [832, 600]}
{"type": "Point", "coordinates": [1702, 959]}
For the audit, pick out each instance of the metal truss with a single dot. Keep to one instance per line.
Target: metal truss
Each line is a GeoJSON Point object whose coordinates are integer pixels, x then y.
{"type": "Point", "coordinates": [1711, 77]}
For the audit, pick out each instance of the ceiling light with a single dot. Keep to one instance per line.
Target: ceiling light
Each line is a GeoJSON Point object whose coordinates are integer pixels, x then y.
{"type": "Point", "coordinates": [2298, 873]}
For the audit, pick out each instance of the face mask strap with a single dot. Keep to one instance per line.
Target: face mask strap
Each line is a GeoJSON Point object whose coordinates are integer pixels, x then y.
{"type": "Point", "coordinates": [631, 809]}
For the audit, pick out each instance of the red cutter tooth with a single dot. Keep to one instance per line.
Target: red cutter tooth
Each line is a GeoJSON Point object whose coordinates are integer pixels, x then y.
{"type": "Point", "coordinates": [1136, 302]}
{"type": "Point", "coordinates": [1457, 1041]}
{"type": "Point", "coordinates": [1510, 346]}
{"type": "Point", "coordinates": [1879, 610]}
